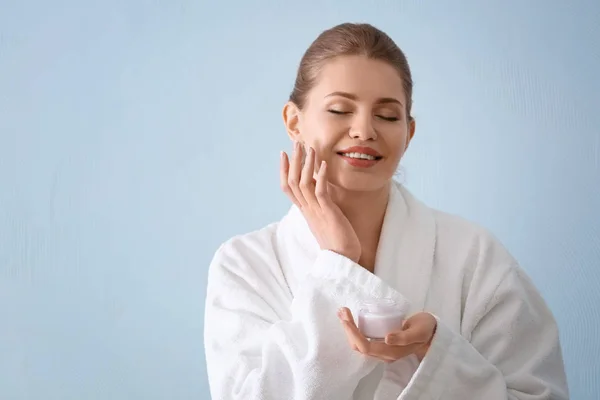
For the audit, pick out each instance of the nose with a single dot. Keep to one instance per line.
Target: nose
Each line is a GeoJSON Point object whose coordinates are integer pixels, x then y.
{"type": "Point", "coordinates": [362, 128]}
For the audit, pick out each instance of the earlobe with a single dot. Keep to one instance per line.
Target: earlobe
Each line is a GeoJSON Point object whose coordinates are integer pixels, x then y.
{"type": "Point", "coordinates": [291, 120]}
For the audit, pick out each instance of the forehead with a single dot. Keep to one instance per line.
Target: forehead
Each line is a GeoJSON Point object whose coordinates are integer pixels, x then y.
{"type": "Point", "coordinates": [366, 78]}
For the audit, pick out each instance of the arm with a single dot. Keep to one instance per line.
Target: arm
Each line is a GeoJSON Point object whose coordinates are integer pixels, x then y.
{"type": "Point", "coordinates": [258, 347]}
{"type": "Point", "coordinates": [513, 352]}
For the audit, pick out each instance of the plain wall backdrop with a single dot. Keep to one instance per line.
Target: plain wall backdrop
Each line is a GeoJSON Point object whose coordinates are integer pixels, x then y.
{"type": "Point", "coordinates": [136, 136]}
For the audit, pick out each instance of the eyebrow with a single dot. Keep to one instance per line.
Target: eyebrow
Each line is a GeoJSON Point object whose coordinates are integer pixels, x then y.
{"type": "Point", "coordinates": [382, 100]}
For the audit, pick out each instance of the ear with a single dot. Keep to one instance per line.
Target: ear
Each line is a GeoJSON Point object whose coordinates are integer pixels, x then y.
{"type": "Point", "coordinates": [412, 126]}
{"type": "Point", "coordinates": [291, 120]}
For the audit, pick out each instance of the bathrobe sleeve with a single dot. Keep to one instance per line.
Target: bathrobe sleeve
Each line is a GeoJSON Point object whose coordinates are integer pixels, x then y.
{"type": "Point", "coordinates": [261, 344]}
{"type": "Point", "coordinates": [510, 349]}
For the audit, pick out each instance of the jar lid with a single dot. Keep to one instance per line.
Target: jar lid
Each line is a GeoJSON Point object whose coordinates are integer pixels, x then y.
{"type": "Point", "coordinates": [381, 306]}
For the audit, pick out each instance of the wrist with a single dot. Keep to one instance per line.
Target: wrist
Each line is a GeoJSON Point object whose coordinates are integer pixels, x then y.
{"type": "Point", "coordinates": [351, 255]}
{"type": "Point", "coordinates": [356, 257]}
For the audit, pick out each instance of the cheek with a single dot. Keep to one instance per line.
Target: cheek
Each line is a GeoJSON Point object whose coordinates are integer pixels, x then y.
{"type": "Point", "coordinates": [323, 135]}
{"type": "Point", "coordinates": [396, 143]}
{"type": "Point", "coordinates": [324, 151]}
{"type": "Point", "coordinates": [400, 144]}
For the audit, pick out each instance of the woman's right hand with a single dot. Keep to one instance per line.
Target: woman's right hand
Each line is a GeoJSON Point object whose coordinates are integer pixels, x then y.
{"type": "Point", "coordinates": [328, 224]}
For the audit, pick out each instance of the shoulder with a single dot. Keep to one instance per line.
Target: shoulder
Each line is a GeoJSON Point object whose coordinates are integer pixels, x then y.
{"type": "Point", "coordinates": [250, 263]}
{"type": "Point", "coordinates": [245, 274]}
{"type": "Point", "coordinates": [489, 273]}
{"type": "Point", "coordinates": [247, 249]}
{"type": "Point", "coordinates": [479, 254]}
{"type": "Point", "coordinates": [461, 231]}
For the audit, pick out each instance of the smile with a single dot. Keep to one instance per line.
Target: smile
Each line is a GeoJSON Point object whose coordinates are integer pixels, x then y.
{"type": "Point", "coordinates": [359, 156]}
{"type": "Point", "coordinates": [360, 160]}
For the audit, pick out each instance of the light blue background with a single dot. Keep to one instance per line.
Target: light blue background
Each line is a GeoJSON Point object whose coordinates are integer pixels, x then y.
{"type": "Point", "coordinates": [137, 136]}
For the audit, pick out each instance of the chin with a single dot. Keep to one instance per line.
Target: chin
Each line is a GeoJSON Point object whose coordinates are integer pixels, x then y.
{"type": "Point", "coordinates": [359, 182]}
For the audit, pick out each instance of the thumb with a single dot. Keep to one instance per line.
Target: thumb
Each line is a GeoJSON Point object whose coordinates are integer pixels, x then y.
{"type": "Point", "coordinates": [412, 333]}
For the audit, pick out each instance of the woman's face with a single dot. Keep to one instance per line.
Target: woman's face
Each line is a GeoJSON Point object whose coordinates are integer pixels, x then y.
{"type": "Point", "coordinates": [355, 119]}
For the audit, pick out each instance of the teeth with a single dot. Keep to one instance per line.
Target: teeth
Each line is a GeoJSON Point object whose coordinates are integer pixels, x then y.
{"type": "Point", "coordinates": [359, 155]}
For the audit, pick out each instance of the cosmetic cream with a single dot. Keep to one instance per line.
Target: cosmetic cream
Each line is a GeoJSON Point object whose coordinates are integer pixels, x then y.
{"type": "Point", "coordinates": [378, 318]}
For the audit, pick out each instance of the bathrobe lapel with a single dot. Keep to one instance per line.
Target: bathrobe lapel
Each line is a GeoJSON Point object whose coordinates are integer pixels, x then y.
{"type": "Point", "coordinates": [405, 254]}
{"type": "Point", "coordinates": [404, 258]}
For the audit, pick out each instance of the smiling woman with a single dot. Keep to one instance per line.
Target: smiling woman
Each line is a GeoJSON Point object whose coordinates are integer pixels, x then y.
{"type": "Point", "coordinates": [349, 116]}
{"type": "Point", "coordinates": [444, 310]}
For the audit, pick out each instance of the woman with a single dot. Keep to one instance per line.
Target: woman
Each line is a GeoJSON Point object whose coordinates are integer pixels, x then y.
{"type": "Point", "coordinates": [282, 301]}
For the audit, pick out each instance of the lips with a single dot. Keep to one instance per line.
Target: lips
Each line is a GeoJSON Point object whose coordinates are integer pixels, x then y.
{"type": "Point", "coordinates": [361, 150]}
{"type": "Point", "coordinates": [360, 156]}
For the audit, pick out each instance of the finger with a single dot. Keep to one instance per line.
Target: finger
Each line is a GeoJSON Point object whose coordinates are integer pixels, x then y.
{"type": "Point", "coordinates": [321, 192]}
{"type": "Point", "coordinates": [346, 317]}
{"type": "Point", "coordinates": [361, 344]}
{"type": "Point", "coordinates": [294, 173]}
{"type": "Point", "coordinates": [374, 349]}
{"type": "Point", "coordinates": [353, 334]}
{"type": "Point", "coordinates": [378, 350]}
{"type": "Point", "coordinates": [283, 178]}
{"type": "Point", "coordinates": [345, 314]}
{"type": "Point", "coordinates": [356, 340]}
{"type": "Point", "coordinates": [307, 181]}
{"type": "Point", "coordinates": [418, 329]}
{"type": "Point", "coordinates": [413, 334]}
{"type": "Point", "coordinates": [349, 336]}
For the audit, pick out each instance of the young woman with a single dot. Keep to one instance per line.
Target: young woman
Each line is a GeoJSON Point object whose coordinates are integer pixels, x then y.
{"type": "Point", "coordinates": [282, 302]}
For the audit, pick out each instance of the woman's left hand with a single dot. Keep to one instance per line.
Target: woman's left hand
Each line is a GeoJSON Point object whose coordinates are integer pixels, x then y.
{"type": "Point", "coordinates": [414, 338]}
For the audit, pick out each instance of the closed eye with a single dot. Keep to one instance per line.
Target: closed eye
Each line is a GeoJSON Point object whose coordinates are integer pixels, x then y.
{"type": "Point", "coordinates": [390, 119]}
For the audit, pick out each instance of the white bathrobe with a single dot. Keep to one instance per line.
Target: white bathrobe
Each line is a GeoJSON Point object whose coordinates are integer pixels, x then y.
{"type": "Point", "coordinates": [272, 333]}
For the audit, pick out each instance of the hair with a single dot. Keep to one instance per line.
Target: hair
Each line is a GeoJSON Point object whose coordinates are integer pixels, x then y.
{"type": "Point", "coordinates": [350, 39]}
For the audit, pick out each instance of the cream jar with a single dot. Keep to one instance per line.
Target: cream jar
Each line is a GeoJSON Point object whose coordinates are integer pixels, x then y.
{"type": "Point", "coordinates": [379, 317]}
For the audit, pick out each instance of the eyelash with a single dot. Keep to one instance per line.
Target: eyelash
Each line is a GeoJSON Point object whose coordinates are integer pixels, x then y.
{"type": "Point", "coordinates": [388, 119]}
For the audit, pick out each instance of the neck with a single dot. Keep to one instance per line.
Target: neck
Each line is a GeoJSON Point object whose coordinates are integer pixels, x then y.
{"type": "Point", "coordinates": [365, 210]}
